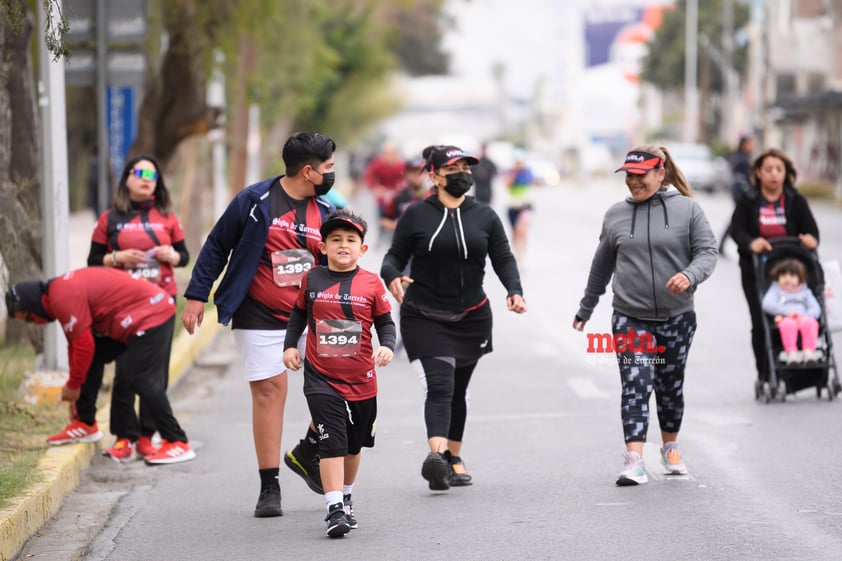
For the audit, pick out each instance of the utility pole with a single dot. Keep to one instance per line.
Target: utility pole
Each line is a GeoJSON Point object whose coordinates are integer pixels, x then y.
{"type": "Point", "coordinates": [729, 120]}
{"type": "Point", "coordinates": [691, 91]}
{"type": "Point", "coordinates": [55, 206]}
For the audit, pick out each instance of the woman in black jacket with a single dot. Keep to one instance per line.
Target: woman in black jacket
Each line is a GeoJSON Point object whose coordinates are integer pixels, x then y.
{"type": "Point", "coordinates": [445, 314]}
{"type": "Point", "coordinates": [772, 209]}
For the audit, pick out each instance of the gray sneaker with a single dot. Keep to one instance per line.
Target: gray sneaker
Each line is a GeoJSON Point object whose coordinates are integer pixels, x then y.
{"type": "Point", "coordinates": [634, 472]}
{"type": "Point", "coordinates": [671, 458]}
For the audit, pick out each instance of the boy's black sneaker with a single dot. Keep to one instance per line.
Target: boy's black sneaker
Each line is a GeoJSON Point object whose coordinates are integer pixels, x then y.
{"type": "Point", "coordinates": [459, 476]}
{"type": "Point", "coordinates": [307, 468]}
{"type": "Point", "coordinates": [348, 505]}
{"type": "Point", "coordinates": [436, 470]}
{"type": "Point", "coordinates": [269, 503]}
{"type": "Point", "coordinates": [337, 522]}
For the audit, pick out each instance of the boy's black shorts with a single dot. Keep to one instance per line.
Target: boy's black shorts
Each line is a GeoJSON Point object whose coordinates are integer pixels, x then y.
{"type": "Point", "coordinates": [344, 427]}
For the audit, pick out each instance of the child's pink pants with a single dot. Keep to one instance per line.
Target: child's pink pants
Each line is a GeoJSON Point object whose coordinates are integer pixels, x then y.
{"type": "Point", "coordinates": [791, 326]}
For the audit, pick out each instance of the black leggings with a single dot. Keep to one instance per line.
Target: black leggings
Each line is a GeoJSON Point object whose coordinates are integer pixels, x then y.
{"type": "Point", "coordinates": [643, 371]}
{"type": "Point", "coordinates": [446, 406]}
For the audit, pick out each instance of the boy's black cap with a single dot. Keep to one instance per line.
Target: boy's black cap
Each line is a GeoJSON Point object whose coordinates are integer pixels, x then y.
{"type": "Point", "coordinates": [342, 221]}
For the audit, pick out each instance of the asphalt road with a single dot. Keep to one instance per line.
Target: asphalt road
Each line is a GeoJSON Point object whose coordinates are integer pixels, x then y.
{"type": "Point", "coordinates": [543, 444]}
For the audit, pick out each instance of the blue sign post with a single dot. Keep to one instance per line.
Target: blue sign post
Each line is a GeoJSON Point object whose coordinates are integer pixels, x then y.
{"type": "Point", "coordinates": [121, 124]}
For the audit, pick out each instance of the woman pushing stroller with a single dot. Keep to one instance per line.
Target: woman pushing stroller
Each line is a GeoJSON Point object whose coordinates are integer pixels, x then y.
{"type": "Point", "coordinates": [773, 208]}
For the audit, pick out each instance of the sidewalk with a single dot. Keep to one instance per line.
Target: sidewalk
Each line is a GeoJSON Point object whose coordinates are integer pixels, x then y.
{"type": "Point", "coordinates": [61, 465]}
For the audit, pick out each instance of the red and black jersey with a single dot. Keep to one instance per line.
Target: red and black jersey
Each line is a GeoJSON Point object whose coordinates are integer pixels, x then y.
{"type": "Point", "coordinates": [110, 302]}
{"type": "Point", "coordinates": [341, 309]}
{"type": "Point", "coordinates": [104, 302]}
{"type": "Point", "coordinates": [142, 230]}
{"type": "Point", "coordinates": [291, 249]}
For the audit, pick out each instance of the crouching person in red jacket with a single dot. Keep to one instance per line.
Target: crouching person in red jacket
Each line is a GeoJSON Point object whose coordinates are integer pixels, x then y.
{"type": "Point", "coordinates": [106, 313]}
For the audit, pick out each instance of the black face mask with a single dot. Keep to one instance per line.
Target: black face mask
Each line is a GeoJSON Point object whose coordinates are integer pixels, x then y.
{"type": "Point", "coordinates": [327, 182]}
{"type": "Point", "coordinates": [458, 183]}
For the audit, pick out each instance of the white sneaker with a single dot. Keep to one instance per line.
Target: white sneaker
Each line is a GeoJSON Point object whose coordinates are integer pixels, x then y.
{"type": "Point", "coordinates": [793, 357]}
{"type": "Point", "coordinates": [811, 356]}
{"type": "Point", "coordinates": [634, 472]}
{"type": "Point", "coordinates": [671, 458]}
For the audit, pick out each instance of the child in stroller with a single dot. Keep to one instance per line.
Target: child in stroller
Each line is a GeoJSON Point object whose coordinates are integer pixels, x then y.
{"type": "Point", "coordinates": [802, 275]}
{"type": "Point", "coordinates": [795, 309]}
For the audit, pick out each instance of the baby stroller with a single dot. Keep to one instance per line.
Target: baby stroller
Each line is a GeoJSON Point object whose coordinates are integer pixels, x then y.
{"type": "Point", "coordinates": [787, 378]}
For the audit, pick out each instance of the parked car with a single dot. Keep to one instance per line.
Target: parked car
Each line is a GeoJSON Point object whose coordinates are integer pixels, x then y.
{"type": "Point", "coordinates": [703, 169]}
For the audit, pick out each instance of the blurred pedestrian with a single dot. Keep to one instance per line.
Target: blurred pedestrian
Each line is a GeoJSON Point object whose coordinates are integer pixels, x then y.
{"type": "Point", "coordinates": [658, 247]}
{"type": "Point", "coordinates": [740, 171]}
{"type": "Point", "coordinates": [519, 182]}
{"type": "Point", "coordinates": [106, 314]}
{"type": "Point", "coordinates": [445, 314]}
{"type": "Point", "coordinates": [385, 176]}
{"type": "Point", "coordinates": [338, 304]}
{"type": "Point", "coordinates": [141, 235]}
{"type": "Point", "coordinates": [484, 173]}
{"type": "Point", "coordinates": [772, 208]}
{"type": "Point", "coordinates": [265, 241]}
{"type": "Point", "coordinates": [416, 189]}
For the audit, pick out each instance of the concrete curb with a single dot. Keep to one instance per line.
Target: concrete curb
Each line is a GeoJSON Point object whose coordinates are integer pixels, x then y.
{"type": "Point", "coordinates": [61, 465]}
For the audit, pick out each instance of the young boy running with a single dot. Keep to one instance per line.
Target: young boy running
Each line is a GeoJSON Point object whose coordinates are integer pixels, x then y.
{"type": "Point", "coordinates": [339, 303]}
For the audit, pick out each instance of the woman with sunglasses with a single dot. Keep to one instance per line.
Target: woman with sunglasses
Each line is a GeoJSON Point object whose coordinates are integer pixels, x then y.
{"type": "Point", "coordinates": [140, 234]}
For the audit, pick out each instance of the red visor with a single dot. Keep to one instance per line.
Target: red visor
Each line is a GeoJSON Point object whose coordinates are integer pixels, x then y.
{"type": "Point", "coordinates": [640, 162]}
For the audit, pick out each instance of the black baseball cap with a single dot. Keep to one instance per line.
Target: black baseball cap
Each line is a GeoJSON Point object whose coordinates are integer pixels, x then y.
{"type": "Point", "coordinates": [447, 155]}
{"type": "Point", "coordinates": [26, 297]}
{"type": "Point", "coordinates": [344, 221]}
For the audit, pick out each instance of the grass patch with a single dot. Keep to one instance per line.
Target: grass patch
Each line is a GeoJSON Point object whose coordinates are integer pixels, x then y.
{"type": "Point", "coordinates": [24, 428]}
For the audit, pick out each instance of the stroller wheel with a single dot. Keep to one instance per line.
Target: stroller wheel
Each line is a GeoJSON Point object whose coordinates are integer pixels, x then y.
{"type": "Point", "coordinates": [780, 391]}
{"type": "Point", "coordinates": [767, 392]}
{"type": "Point", "coordinates": [831, 390]}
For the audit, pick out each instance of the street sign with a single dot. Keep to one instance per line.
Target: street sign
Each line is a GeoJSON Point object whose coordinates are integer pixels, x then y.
{"type": "Point", "coordinates": [125, 23]}
{"type": "Point", "coordinates": [123, 68]}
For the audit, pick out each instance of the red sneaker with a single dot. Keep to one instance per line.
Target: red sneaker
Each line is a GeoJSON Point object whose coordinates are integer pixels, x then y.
{"type": "Point", "coordinates": [121, 451]}
{"type": "Point", "coordinates": [144, 447]}
{"type": "Point", "coordinates": [171, 453]}
{"type": "Point", "coordinates": [77, 431]}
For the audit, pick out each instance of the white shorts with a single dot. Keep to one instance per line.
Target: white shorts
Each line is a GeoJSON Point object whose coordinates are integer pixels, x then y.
{"type": "Point", "coordinates": [262, 352]}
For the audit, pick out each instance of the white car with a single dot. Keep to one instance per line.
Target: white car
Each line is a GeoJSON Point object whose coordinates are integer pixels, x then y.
{"type": "Point", "coordinates": [703, 170]}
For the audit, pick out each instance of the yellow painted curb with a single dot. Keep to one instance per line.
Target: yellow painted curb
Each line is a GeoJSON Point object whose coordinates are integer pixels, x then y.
{"type": "Point", "coordinates": [61, 465]}
{"type": "Point", "coordinates": [60, 468]}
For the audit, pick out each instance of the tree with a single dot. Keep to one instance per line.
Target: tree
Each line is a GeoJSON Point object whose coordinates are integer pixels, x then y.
{"type": "Point", "coordinates": [418, 28]}
{"type": "Point", "coordinates": [20, 151]}
{"type": "Point", "coordinates": [663, 66]}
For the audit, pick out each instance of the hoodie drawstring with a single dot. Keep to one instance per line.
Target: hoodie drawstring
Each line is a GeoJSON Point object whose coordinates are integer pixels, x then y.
{"type": "Point", "coordinates": [436, 233]}
{"type": "Point", "coordinates": [460, 234]}
{"type": "Point", "coordinates": [635, 206]}
{"type": "Point", "coordinates": [666, 216]}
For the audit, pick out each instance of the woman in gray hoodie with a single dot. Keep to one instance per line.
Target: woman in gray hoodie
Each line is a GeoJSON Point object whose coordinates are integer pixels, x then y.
{"type": "Point", "coordinates": [658, 246]}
